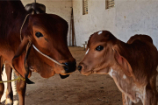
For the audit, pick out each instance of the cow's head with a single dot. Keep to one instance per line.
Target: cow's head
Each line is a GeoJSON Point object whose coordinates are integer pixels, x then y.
{"type": "Point", "coordinates": [102, 55]}
{"type": "Point", "coordinates": [48, 34]}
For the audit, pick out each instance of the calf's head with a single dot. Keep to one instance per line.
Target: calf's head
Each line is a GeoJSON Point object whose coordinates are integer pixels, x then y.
{"type": "Point", "coordinates": [103, 54]}
{"type": "Point", "coordinates": [47, 34]}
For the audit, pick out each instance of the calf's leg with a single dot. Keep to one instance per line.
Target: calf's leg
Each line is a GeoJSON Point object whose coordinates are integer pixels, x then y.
{"type": "Point", "coordinates": [9, 92]}
{"type": "Point", "coordinates": [126, 100]}
{"type": "Point", "coordinates": [150, 97]}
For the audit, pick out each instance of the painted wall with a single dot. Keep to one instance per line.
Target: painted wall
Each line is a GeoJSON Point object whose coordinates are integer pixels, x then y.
{"type": "Point", "coordinates": [61, 8]}
{"type": "Point", "coordinates": [127, 18]}
{"type": "Point", "coordinates": [98, 18]}
{"type": "Point", "coordinates": [136, 17]}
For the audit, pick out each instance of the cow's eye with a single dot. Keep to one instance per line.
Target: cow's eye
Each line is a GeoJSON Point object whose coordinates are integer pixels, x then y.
{"type": "Point", "coordinates": [38, 34]}
{"type": "Point", "coordinates": [99, 48]}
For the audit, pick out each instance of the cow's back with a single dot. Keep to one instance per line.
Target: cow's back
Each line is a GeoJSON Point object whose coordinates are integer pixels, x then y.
{"type": "Point", "coordinates": [143, 56]}
{"type": "Point", "coordinates": [141, 37]}
{"type": "Point", "coordinates": [10, 11]}
{"type": "Point", "coordinates": [12, 14]}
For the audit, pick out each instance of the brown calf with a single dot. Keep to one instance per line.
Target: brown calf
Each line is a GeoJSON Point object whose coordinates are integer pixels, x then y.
{"type": "Point", "coordinates": [132, 65]}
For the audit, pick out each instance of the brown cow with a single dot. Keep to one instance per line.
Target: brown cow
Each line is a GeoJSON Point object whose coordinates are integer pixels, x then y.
{"type": "Point", "coordinates": [132, 65]}
{"type": "Point", "coordinates": [32, 43]}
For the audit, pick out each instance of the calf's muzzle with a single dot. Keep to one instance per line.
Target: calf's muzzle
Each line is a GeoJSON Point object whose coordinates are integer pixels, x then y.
{"type": "Point", "coordinates": [79, 68]}
{"type": "Point", "coordinates": [82, 67]}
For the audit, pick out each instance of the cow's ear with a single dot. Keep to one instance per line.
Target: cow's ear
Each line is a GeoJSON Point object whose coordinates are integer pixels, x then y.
{"type": "Point", "coordinates": [18, 62]}
{"type": "Point", "coordinates": [123, 63]}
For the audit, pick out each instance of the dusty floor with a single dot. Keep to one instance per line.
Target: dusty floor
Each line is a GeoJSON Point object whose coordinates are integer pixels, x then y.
{"type": "Point", "coordinates": [74, 90]}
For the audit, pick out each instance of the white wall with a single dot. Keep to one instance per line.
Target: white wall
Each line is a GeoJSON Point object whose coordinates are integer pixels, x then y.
{"type": "Point", "coordinates": [136, 17]}
{"type": "Point", "coordinates": [98, 18]}
{"type": "Point", "coordinates": [61, 8]}
{"type": "Point", "coordinates": [127, 18]}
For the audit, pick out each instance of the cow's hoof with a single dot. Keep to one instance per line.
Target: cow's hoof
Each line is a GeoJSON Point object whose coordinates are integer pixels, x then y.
{"type": "Point", "coordinates": [8, 101]}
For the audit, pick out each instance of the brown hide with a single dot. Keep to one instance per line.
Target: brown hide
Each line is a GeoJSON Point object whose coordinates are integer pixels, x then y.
{"type": "Point", "coordinates": [53, 41]}
{"type": "Point", "coordinates": [132, 65]}
{"type": "Point", "coordinates": [140, 37]}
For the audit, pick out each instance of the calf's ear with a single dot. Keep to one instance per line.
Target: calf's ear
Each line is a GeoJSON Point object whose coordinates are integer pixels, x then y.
{"type": "Point", "coordinates": [20, 59]}
{"type": "Point", "coordinates": [123, 63]}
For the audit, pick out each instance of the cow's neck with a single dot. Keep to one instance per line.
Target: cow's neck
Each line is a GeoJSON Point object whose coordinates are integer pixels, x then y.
{"type": "Point", "coordinates": [123, 82]}
{"type": "Point", "coordinates": [124, 49]}
{"type": "Point", "coordinates": [128, 52]}
{"type": "Point", "coordinates": [126, 84]}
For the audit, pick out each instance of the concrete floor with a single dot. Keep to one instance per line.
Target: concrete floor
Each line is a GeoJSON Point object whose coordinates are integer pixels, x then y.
{"type": "Point", "coordinates": [98, 88]}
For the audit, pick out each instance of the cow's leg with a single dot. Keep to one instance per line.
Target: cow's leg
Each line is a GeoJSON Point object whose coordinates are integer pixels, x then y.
{"type": "Point", "coordinates": [21, 88]}
{"type": "Point", "coordinates": [153, 81]}
{"type": "Point", "coordinates": [1, 84]}
{"type": "Point", "coordinates": [150, 97]}
{"type": "Point", "coordinates": [9, 92]}
{"type": "Point", "coordinates": [126, 100]}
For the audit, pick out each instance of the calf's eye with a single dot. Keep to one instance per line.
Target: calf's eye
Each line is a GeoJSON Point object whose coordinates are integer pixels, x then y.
{"type": "Point", "coordinates": [38, 34]}
{"type": "Point", "coordinates": [99, 48]}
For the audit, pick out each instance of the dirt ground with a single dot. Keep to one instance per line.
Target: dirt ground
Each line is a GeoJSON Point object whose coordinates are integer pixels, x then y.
{"type": "Point", "coordinates": [74, 90]}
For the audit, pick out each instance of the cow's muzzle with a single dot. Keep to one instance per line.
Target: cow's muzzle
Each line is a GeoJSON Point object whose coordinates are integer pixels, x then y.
{"type": "Point", "coordinates": [63, 76]}
{"type": "Point", "coordinates": [82, 68]}
{"type": "Point", "coordinates": [70, 67]}
{"type": "Point", "coordinates": [79, 68]}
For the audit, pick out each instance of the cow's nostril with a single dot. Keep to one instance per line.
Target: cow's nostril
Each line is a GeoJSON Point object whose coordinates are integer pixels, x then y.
{"type": "Point", "coordinates": [66, 68]}
{"type": "Point", "coordinates": [67, 64]}
{"type": "Point", "coordinates": [69, 67]}
{"type": "Point", "coordinates": [79, 68]}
